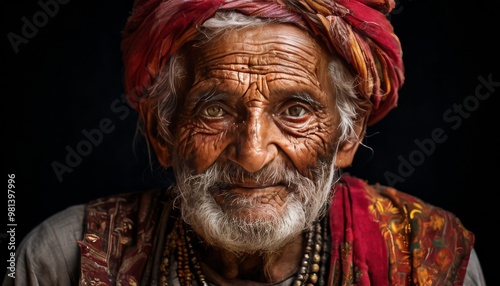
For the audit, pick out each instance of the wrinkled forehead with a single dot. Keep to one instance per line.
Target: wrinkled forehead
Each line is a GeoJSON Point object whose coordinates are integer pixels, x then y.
{"type": "Point", "coordinates": [266, 61]}
{"type": "Point", "coordinates": [276, 50]}
{"type": "Point", "coordinates": [267, 37]}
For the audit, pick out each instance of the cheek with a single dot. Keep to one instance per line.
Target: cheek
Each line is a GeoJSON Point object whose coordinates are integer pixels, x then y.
{"type": "Point", "coordinates": [199, 146]}
{"type": "Point", "coordinates": [310, 146]}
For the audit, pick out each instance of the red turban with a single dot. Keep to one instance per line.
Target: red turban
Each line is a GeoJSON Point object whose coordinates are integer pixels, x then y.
{"type": "Point", "coordinates": [358, 30]}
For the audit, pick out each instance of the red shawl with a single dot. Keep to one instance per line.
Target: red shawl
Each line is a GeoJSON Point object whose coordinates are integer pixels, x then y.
{"type": "Point", "coordinates": [386, 237]}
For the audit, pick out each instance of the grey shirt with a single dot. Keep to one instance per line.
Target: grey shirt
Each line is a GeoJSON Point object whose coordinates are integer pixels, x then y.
{"type": "Point", "coordinates": [47, 258]}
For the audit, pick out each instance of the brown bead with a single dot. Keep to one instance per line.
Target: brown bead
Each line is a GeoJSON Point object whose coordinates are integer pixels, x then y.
{"type": "Point", "coordinates": [313, 277]}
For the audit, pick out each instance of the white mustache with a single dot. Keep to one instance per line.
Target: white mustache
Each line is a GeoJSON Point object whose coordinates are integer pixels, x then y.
{"type": "Point", "coordinates": [224, 176]}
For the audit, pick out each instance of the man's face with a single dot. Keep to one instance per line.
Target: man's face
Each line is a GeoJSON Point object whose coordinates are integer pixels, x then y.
{"type": "Point", "coordinates": [260, 106]}
{"type": "Point", "coordinates": [258, 95]}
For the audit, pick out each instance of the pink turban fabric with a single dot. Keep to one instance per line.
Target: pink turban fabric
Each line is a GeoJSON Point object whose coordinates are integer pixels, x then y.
{"type": "Point", "coordinates": [358, 30]}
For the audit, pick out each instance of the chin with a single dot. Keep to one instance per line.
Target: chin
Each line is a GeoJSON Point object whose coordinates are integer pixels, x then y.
{"type": "Point", "coordinates": [252, 209]}
{"type": "Point", "coordinates": [248, 229]}
{"type": "Point", "coordinates": [254, 214]}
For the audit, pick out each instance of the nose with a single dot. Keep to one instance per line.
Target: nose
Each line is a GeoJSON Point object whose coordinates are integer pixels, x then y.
{"type": "Point", "coordinates": [253, 147]}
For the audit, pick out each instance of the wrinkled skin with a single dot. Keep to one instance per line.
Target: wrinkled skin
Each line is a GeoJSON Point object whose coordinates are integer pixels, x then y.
{"type": "Point", "coordinates": [258, 95]}
{"type": "Point", "coordinates": [248, 104]}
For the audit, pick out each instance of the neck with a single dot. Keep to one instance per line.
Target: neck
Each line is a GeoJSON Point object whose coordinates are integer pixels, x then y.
{"type": "Point", "coordinates": [223, 267]}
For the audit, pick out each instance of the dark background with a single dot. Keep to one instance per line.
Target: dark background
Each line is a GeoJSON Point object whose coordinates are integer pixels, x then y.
{"type": "Point", "coordinates": [66, 78]}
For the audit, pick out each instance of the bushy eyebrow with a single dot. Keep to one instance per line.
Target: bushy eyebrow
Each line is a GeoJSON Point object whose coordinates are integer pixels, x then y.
{"type": "Point", "coordinates": [306, 97]}
{"type": "Point", "coordinates": [211, 94]}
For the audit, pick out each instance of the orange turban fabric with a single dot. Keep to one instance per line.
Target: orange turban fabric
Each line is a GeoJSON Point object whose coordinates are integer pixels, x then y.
{"type": "Point", "coordinates": [358, 30]}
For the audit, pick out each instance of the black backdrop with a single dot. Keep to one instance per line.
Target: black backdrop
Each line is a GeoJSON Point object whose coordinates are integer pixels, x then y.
{"type": "Point", "coordinates": [62, 80]}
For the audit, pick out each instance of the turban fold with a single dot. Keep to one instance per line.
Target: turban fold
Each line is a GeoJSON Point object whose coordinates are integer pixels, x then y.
{"type": "Point", "coordinates": [358, 30]}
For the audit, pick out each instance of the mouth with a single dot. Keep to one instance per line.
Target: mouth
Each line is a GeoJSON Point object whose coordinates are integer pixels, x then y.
{"type": "Point", "coordinates": [251, 195]}
{"type": "Point", "coordinates": [251, 188]}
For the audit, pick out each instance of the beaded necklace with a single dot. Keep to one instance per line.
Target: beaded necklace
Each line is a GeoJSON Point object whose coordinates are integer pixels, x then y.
{"type": "Point", "coordinates": [179, 246]}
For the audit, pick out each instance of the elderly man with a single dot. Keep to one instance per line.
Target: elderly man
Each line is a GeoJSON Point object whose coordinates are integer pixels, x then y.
{"type": "Point", "coordinates": [257, 106]}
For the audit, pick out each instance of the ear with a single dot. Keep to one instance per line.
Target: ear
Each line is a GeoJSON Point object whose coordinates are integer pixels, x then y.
{"type": "Point", "coordinates": [347, 150]}
{"type": "Point", "coordinates": [150, 124]}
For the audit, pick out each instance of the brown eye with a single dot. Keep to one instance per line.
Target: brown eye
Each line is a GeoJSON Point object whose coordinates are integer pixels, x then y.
{"type": "Point", "coordinates": [295, 111]}
{"type": "Point", "coordinates": [214, 111]}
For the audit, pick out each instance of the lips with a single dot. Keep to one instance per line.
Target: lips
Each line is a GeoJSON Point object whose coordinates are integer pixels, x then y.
{"type": "Point", "coordinates": [251, 195]}
{"type": "Point", "coordinates": [251, 188]}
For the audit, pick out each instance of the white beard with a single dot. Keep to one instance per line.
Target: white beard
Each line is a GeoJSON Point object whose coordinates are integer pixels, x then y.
{"type": "Point", "coordinates": [307, 202]}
